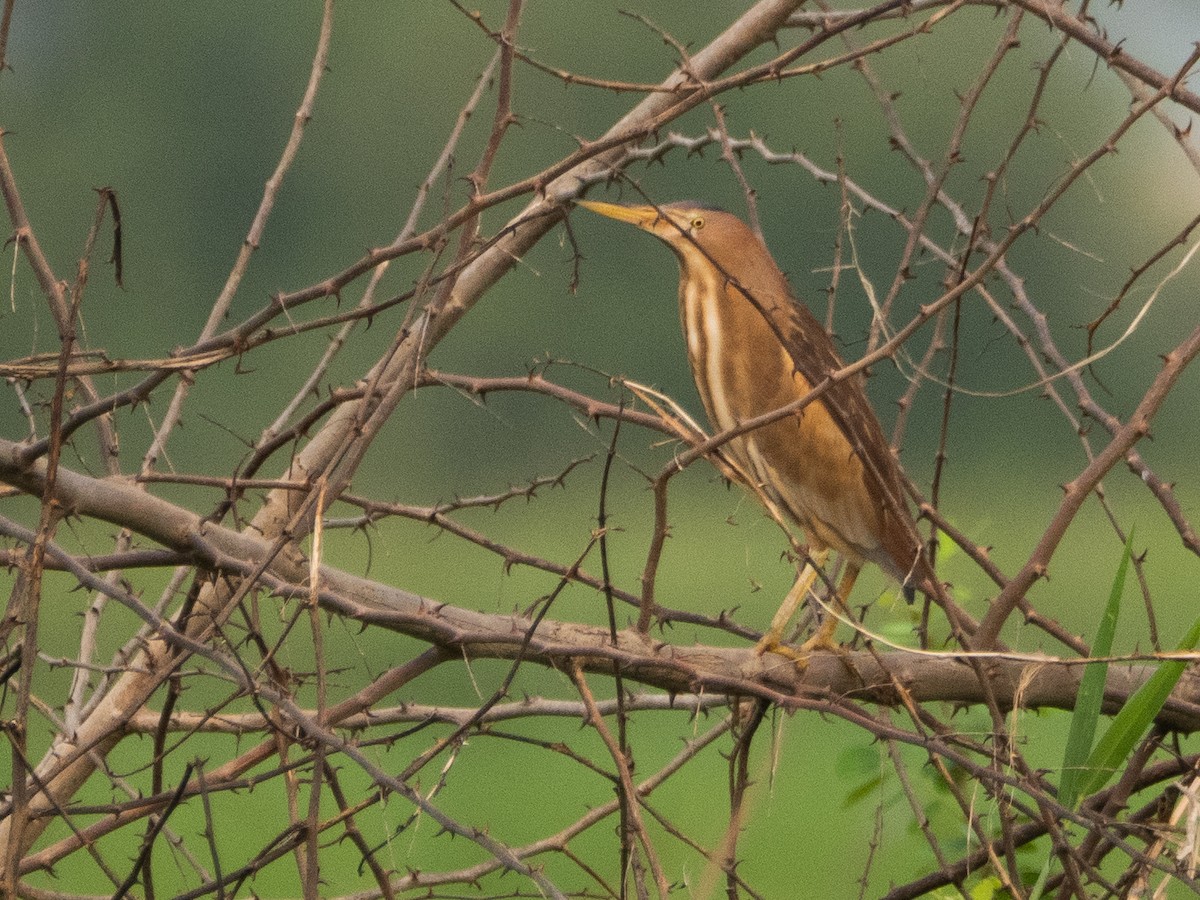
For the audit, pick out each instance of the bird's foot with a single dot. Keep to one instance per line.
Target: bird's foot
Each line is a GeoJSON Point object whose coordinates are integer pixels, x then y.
{"type": "Point", "coordinates": [822, 640]}
{"type": "Point", "coordinates": [800, 656]}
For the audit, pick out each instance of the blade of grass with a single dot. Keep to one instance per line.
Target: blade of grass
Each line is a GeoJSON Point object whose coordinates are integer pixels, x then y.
{"type": "Point", "coordinates": [1088, 703]}
{"type": "Point", "coordinates": [1091, 691]}
{"type": "Point", "coordinates": [1135, 717]}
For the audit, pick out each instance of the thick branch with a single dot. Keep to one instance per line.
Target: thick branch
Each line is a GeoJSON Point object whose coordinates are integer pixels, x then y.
{"type": "Point", "coordinates": [870, 676]}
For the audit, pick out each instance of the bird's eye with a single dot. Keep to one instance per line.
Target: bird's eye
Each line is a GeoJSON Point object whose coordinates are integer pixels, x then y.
{"type": "Point", "coordinates": [697, 223]}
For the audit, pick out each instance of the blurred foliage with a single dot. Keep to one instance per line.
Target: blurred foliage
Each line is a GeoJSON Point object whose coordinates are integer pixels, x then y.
{"type": "Point", "coordinates": [183, 110]}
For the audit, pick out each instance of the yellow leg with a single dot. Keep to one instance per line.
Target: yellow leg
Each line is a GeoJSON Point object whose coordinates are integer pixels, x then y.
{"type": "Point", "coordinates": [822, 638]}
{"type": "Point", "coordinates": [773, 639]}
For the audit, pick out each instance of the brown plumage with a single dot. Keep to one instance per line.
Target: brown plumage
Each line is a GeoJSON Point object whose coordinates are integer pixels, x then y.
{"type": "Point", "coordinates": [753, 349]}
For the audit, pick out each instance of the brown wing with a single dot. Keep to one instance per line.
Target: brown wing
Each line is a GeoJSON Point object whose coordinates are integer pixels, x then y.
{"type": "Point", "coordinates": [815, 358]}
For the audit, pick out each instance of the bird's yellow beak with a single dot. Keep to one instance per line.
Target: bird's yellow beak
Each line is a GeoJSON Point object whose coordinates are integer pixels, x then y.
{"type": "Point", "coordinates": [641, 216]}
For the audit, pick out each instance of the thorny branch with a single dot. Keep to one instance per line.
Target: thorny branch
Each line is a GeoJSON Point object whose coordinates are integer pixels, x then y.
{"type": "Point", "coordinates": [256, 648]}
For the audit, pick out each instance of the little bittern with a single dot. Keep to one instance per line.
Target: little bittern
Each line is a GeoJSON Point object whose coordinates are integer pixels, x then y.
{"type": "Point", "coordinates": [755, 349]}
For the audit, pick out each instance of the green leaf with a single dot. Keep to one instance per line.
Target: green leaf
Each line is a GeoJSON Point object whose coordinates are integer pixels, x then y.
{"type": "Point", "coordinates": [863, 791]}
{"type": "Point", "coordinates": [1135, 717]}
{"type": "Point", "coordinates": [986, 889]}
{"type": "Point", "coordinates": [1039, 886]}
{"type": "Point", "coordinates": [1076, 769]}
{"type": "Point", "coordinates": [1091, 692]}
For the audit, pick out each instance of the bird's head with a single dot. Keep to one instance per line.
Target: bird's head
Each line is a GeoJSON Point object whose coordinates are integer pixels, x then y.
{"type": "Point", "coordinates": [693, 230]}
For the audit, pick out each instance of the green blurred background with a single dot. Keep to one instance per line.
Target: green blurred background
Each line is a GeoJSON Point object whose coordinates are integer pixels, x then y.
{"type": "Point", "coordinates": [183, 110]}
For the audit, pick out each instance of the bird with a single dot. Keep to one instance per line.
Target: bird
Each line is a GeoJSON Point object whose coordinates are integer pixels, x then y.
{"type": "Point", "coordinates": [754, 349]}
